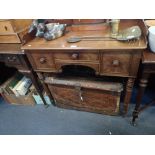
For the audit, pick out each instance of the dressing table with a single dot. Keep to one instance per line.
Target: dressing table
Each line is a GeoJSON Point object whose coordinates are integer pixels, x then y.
{"type": "Point", "coordinates": [106, 58]}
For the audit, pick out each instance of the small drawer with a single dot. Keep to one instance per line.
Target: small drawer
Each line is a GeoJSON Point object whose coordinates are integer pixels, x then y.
{"type": "Point", "coordinates": [116, 64]}
{"type": "Point", "coordinates": [80, 55]}
{"type": "Point", "coordinates": [41, 61]}
{"type": "Point", "coordinates": [12, 59]}
{"type": "Point", "coordinates": [5, 27]}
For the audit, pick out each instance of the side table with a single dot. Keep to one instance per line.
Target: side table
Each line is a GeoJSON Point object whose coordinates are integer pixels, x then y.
{"type": "Point", "coordinates": [148, 68]}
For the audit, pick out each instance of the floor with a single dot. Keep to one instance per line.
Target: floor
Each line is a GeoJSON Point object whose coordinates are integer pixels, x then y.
{"type": "Point", "coordinates": [38, 120]}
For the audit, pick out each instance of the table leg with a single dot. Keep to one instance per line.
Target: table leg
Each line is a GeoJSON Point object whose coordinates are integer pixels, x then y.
{"type": "Point", "coordinates": [142, 86]}
{"type": "Point", "coordinates": [128, 92]}
{"type": "Point", "coordinates": [41, 78]}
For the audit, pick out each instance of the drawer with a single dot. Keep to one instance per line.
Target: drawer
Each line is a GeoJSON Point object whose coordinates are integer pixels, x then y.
{"type": "Point", "coordinates": [80, 55]}
{"type": "Point", "coordinates": [6, 27]}
{"type": "Point", "coordinates": [41, 61]}
{"type": "Point", "coordinates": [12, 59]}
{"type": "Point", "coordinates": [116, 63]}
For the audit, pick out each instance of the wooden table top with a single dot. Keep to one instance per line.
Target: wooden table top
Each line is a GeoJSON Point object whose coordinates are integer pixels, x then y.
{"type": "Point", "coordinates": [148, 57]}
{"type": "Point", "coordinates": [61, 43]}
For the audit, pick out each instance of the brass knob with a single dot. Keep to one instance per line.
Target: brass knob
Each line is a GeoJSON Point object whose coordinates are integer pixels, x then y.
{"type": "Point", "coordinates": [42, 60]}
{"type": "Point", "coordinates": [75, 56]}
{"type": "Point", "coordinates": [115, 63]}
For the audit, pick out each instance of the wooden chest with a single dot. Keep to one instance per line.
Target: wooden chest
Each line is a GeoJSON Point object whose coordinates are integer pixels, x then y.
{"type": "Point", "coordinates": [87, 95]}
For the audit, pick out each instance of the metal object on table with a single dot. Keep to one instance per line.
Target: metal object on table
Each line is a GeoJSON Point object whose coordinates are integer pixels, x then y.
{"type": "Point", "coordinates": [132, 33]}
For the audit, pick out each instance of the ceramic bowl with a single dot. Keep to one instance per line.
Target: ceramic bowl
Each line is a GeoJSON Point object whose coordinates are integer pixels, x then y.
{"type": "Point", "coordinates": [151, 38]}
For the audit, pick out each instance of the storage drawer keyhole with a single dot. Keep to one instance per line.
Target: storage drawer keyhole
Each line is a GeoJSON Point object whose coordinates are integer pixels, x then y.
{"type": "Point", "coordinates": [6, 28]}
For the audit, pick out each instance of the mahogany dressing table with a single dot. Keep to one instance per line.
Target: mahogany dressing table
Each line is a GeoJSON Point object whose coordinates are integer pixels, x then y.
{"type": "Point", "coordinates": [107, 58]}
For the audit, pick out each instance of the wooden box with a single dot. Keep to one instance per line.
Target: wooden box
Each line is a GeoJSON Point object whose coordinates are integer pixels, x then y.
{"type": "Point", "coordinates": [13, 99]}
{"type": "Point", "coordinates": [13, 30]}
{"type": "Point", "coordinates": [87, 95]}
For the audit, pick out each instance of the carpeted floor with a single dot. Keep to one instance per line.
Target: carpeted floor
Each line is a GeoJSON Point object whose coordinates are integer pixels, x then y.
{"type": "Point", "coordinates": [34, 120]}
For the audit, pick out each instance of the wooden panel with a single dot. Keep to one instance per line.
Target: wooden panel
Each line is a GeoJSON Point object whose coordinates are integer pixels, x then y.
{"type": "Point", "coordinates": [92, 100]}
{"type": "Point", "coordinates": [116, 63]}
{"type": "Point", "coordinates": [13, 38]}
{"type": "Point", "coordinates": [6, 27]}
{"type": "Point", "coordinates": [88, 21]}
{"type": "Point", "coordinates": [135, 61]}
{"type": "Point", "coordinates": [77, 55]}
{"type": "Point", "coordinates": [20, 24]}
{"type": "Point", "coordinates": [42, 61]}
{"type": "Point", "coordinates": [148, 57]}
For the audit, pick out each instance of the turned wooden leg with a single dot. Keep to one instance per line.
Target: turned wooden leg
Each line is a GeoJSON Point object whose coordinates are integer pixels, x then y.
{"type": "Point", "coordinates": [32, 75]}
{"type": "Point", "coordinates": [142, 86]}
{"type": "Point", "coordinates": [128, 92]}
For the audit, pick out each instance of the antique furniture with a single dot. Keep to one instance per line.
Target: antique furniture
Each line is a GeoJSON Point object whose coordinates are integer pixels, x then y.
{"type": "Point", "coordinates": [148, 68]}
{"type": "Point", "coordinates": [85, 94]}
{"type": "Point", "coordinates": [13, 33]}
{"type": "Point", "coordinates": [106, 58]}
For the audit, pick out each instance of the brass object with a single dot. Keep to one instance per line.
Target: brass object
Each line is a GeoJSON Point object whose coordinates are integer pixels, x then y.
{"type": "Point", "coordinates": [115, 27]}
{"type": "Point", "coordinates": [132, 33]}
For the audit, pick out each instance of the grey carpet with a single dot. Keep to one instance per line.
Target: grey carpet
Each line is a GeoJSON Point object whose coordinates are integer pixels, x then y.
{"type": "Point", "coordinates": [38, 120]}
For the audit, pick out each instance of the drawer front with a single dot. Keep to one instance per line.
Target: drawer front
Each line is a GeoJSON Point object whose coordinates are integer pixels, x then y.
{"type": "Point", "coordinates": [5, 27]}
{"type": "Point", "coordinates": [12, 59]}
{"type": "Point", "coordinates": [77, 55]}
{"type": "Point", "coordinates": [116, 64]}
{"type": "Point", "coordinates": [41, 61]}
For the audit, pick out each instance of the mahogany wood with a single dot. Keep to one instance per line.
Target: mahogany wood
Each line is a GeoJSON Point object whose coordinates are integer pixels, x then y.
{"type": "Point", "coordinates": [109, 58]}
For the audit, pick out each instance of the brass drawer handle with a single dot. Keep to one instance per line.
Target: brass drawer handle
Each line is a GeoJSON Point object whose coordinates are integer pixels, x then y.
{"type": "Point", "coordinates": [75, 56]}
{"type": "Point", "coordinates": [116, 63]}
{"type": "Point", "coordinates": [42, 60]}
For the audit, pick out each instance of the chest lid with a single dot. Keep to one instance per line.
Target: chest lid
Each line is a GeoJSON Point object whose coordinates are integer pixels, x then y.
{"type": "Point", "coordinates": [85, 83]}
